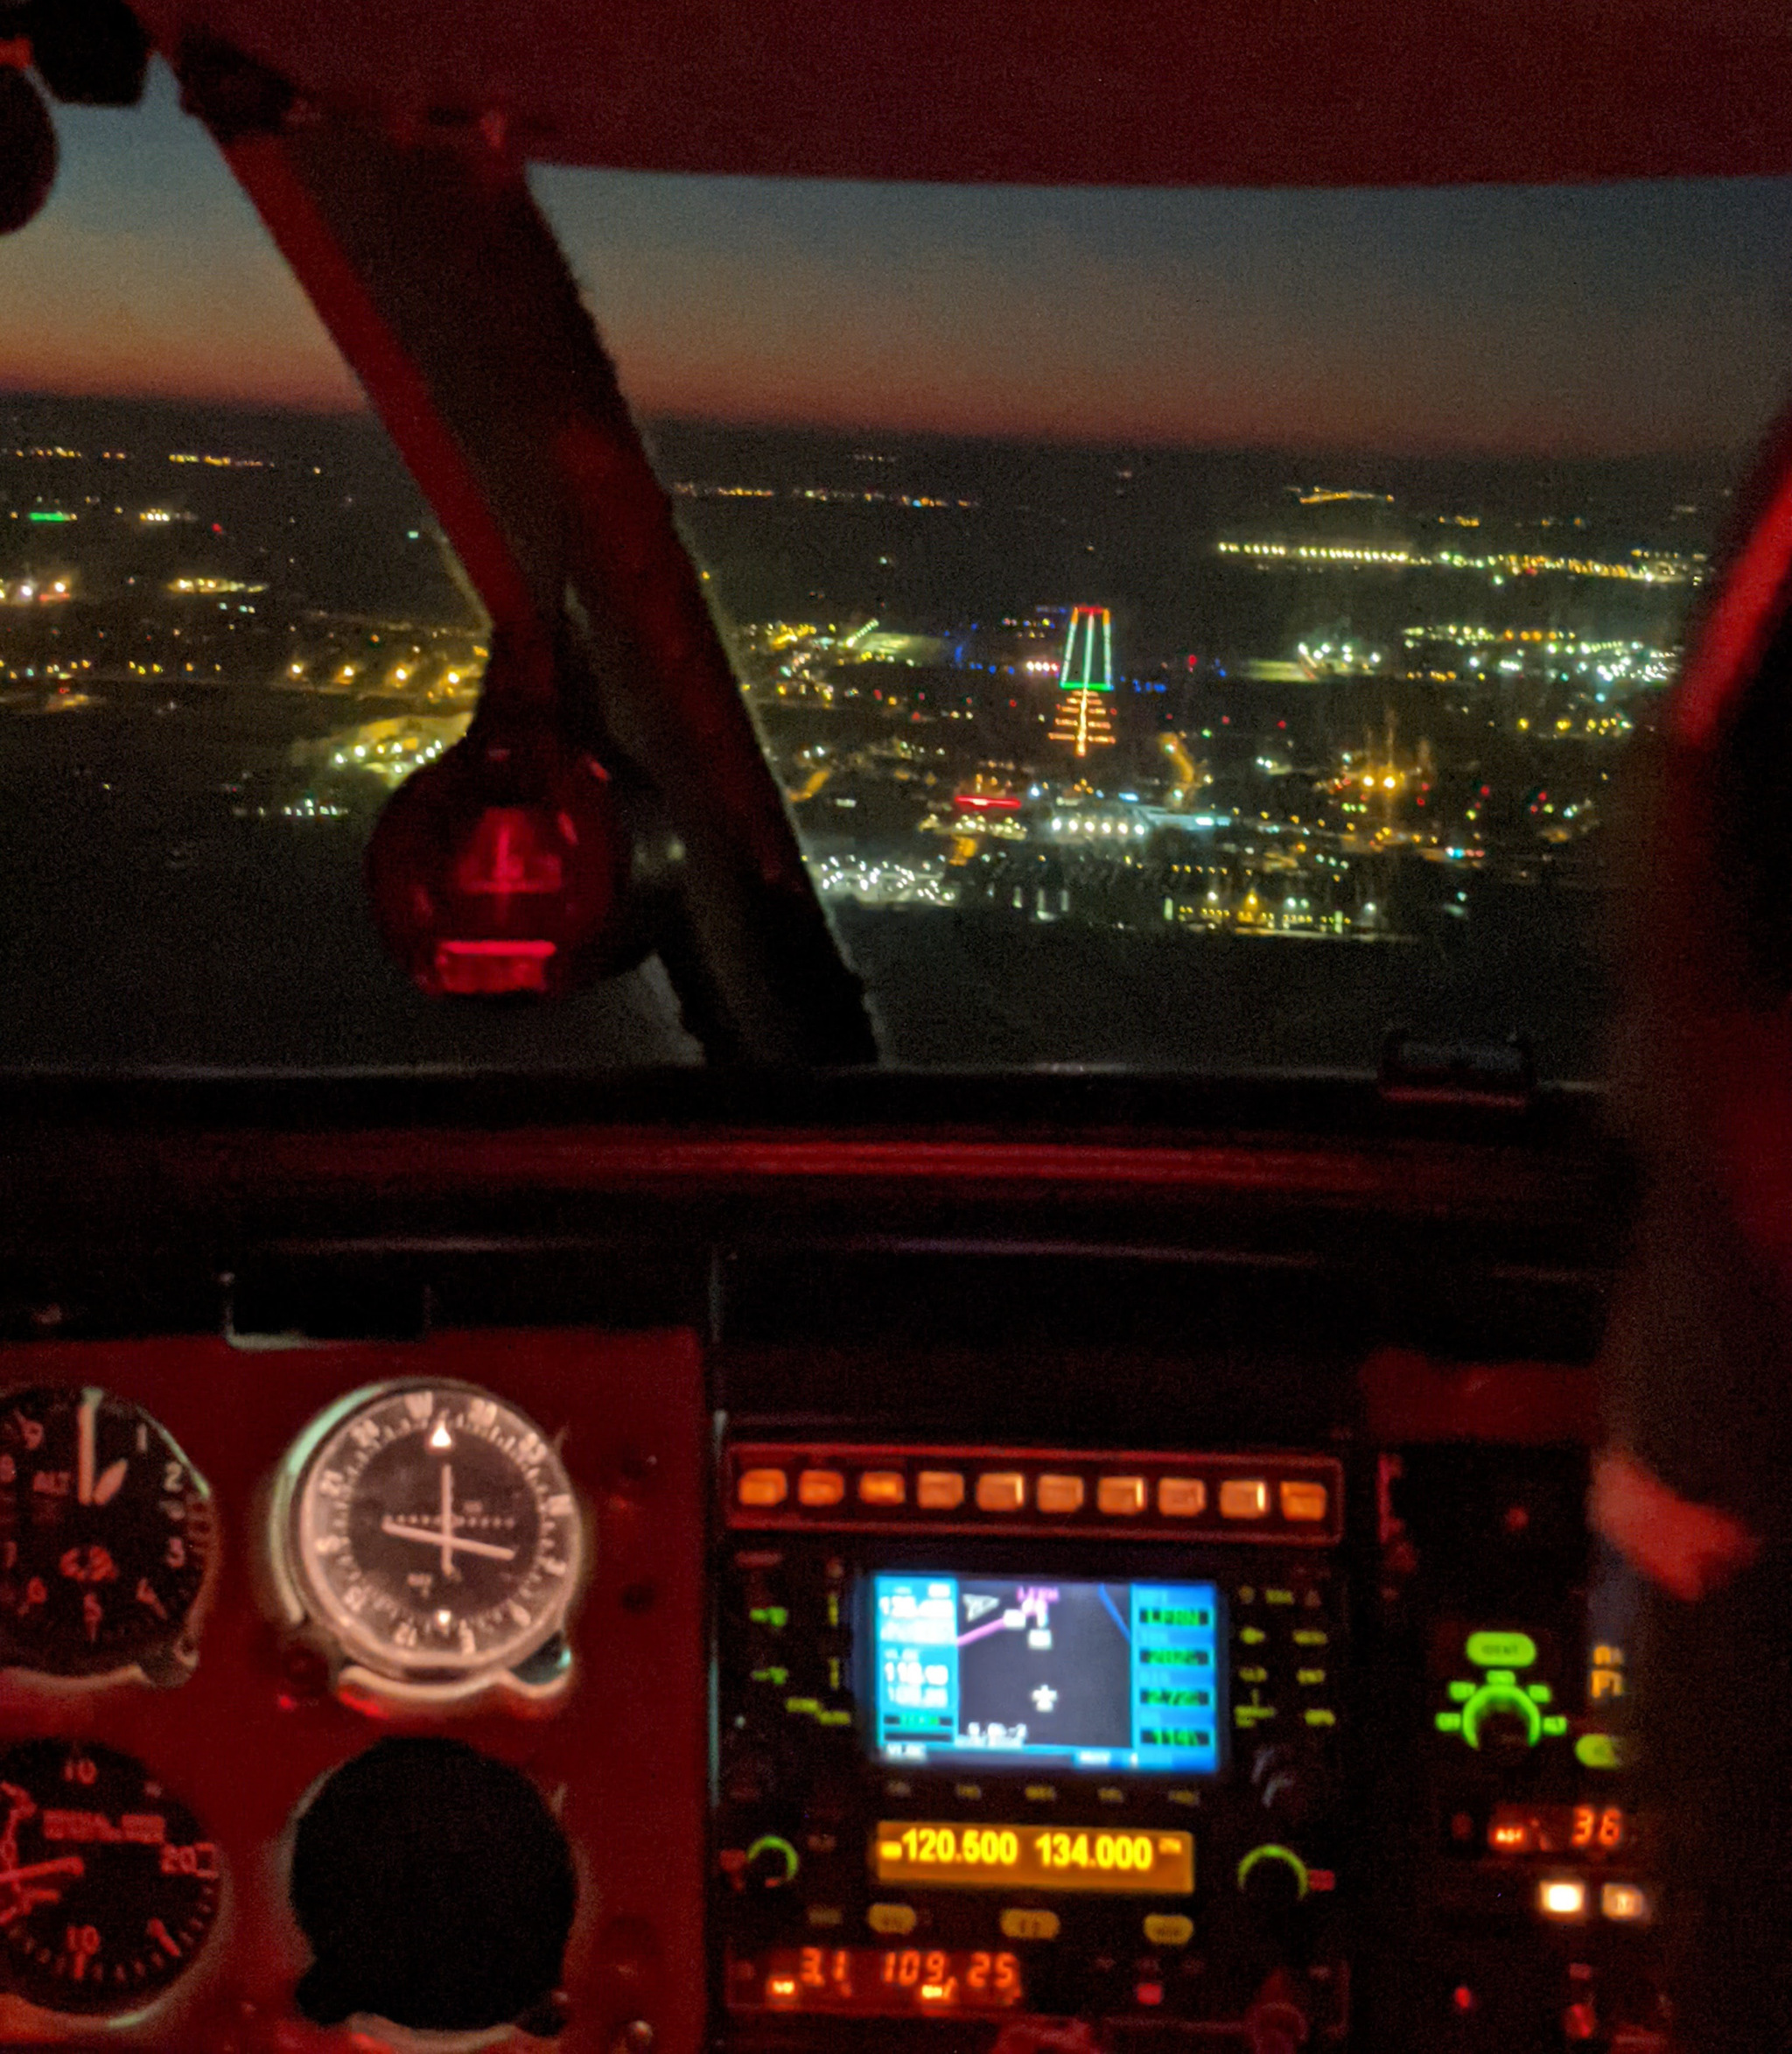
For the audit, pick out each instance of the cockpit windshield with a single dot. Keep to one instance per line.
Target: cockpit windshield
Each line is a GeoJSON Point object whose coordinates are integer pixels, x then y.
{"type": "Point", "coordinates": [1191, 630]}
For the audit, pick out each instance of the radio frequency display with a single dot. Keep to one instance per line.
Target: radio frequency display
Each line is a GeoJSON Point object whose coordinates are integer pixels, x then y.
{"type": "Point", "coordinates": [877, 1980]}
{"type": "Point", "coordinates": [1033, 1857]}
{"type": "Point", "coordinates": [1089, 1675]}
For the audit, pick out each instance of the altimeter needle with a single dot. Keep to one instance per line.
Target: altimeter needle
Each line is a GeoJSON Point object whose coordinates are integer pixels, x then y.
{"type": "Point", "coordinates": [433, 1537]}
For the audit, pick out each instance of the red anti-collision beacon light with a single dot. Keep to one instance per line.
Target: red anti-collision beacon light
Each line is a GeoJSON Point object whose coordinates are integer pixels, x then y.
{"type": "Point", "coordinates": [497, 871]}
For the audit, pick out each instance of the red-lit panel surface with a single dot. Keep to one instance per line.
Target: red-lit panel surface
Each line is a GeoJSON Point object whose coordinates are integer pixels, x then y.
{"type": "Point", "coordinates": [1409, 1397]}
{"type": "Point", "coordinates": [622, 1759]}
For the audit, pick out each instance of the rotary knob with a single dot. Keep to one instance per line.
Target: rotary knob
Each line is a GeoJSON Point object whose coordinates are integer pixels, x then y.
{"type": "Point", "coordinates": [1290, 1782]}
{"type": "Point", "coordinates": [749, 1775]}
{"type": "Point", "coordinates": [1500, 1718]}
{"type": "Point", "coordinates": [1505, 1734]}
{"type": "Point", "coordinates": [771, 1862]}
{"type": "Point", "coordinates": [1273, 1878]}
{"type": "Point", "coordinates": [1276, 2022]}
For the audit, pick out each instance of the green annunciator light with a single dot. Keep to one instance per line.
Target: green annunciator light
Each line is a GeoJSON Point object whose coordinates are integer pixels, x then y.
{"type": "Point", "coordinates": [1500, 1650]}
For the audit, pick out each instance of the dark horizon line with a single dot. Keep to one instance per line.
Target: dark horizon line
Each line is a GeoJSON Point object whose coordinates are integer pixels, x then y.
{"type": "Point", "coordinates": [1332, 451]}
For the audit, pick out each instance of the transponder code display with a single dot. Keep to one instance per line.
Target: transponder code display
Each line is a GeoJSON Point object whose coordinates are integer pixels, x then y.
{"type": "Point", "coordinates": [1041, 1858]}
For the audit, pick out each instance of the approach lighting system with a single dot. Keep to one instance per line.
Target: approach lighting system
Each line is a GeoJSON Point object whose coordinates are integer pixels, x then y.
{"type": "Point", "coordinates": [498, 871]}
{"type": "Point", "coordinates": [1085, 681]}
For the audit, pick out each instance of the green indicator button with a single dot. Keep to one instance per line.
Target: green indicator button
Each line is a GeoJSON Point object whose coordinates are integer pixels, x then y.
{"type": "Point", "coordinates": [1501, 1676]}
{"type": "Point", "coordinates": [1461, 1693]}
{"type": "Point", "coordinates": [1252, 1635]}
{"type": "Point", "coordinates": [776, 1616]}
{"type": "Point", "coordinates": [1598, 1751]}
{"type": "Point", "coordinates": [1539, 1693]}
{"type": "Point", "coordinates": [1500, 1650]}
{"type": "Point", "coordinates": [778, 1676]}
{"type": "Point", "coordinates": [1449, 1721]}
{"type": "Point", "coordinates": [1556, 1727]}
{"type": "Point", "coordinates": [802, 1705]}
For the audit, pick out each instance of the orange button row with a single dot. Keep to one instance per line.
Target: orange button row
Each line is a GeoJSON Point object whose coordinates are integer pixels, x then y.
{"type": "Point", "coordinates": [1006, 1490]}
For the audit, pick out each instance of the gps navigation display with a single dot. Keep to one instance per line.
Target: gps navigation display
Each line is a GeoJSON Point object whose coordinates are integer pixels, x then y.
{"type": "Point", "coordinates": [1119, 1676]}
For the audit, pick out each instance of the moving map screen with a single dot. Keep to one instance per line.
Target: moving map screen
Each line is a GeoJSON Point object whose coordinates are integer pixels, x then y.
{"type": "Point", "coordinates": [1117, 1676]}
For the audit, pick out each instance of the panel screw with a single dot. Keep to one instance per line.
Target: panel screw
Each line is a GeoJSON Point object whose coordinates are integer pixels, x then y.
{"type": "Point", "coordinates": [635, 2038]}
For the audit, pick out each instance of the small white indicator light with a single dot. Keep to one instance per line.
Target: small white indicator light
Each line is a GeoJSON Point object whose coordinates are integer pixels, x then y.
{"type": "Point", "coordinates": [1623, 1901]}
{"type": "Point", "coordinates": [1563, 1898]}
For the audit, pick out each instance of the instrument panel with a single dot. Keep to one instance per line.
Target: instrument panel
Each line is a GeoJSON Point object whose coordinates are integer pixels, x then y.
{"type": "Point", "coordinates": [353, 1697]}
{"type": "Point", "coordinates": [500, 1690]}
{"type": "Point", "coordinates": [1034, 1720]}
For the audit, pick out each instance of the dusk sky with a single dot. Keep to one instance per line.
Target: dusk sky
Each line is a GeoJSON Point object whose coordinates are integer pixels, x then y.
{"type": "Point", "coordinates": [1611, 318]}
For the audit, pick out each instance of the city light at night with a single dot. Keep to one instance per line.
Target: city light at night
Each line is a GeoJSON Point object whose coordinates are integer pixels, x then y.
{"type": "Point", "coordinates": [1237, 605]}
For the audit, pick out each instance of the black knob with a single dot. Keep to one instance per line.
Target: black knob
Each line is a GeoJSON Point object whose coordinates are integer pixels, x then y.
{"type": "Point", "coordinates": [1275, 2028]}
{"type": "Point", "coordinates": [1273, 1878]}
{"type": "Point", "coordinates": [749, 1776]}
{"type": "Point", "coordinates": [772, 1862]}
{"type": "Point", "coordinates": [1505, 1736]}
{"type": "Point", "coordinates": [1290, 1782]}
{"type": "Point", "coordinates": [1277, 2022]}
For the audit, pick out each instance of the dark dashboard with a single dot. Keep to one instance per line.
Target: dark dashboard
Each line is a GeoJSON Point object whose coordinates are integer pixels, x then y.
{"type": "Point", "coordinates": [975, 1562]}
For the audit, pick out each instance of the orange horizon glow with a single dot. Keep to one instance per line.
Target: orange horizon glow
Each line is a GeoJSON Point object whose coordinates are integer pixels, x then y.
{"type": "Point", "coordinates": [1585, 323]}
{"type": "Point", "coordinates": [104, 379]}
{"type": "Point", "coordinates": [340, 397]}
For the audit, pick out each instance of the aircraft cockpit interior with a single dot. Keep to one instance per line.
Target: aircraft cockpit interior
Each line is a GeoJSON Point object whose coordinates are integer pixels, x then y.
{"type": "Point", "coordinates": [895, 1086]}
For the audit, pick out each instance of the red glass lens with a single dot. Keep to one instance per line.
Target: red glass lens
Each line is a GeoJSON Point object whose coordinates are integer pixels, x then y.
{"type": "Point", "coordinates": [496, 871]}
